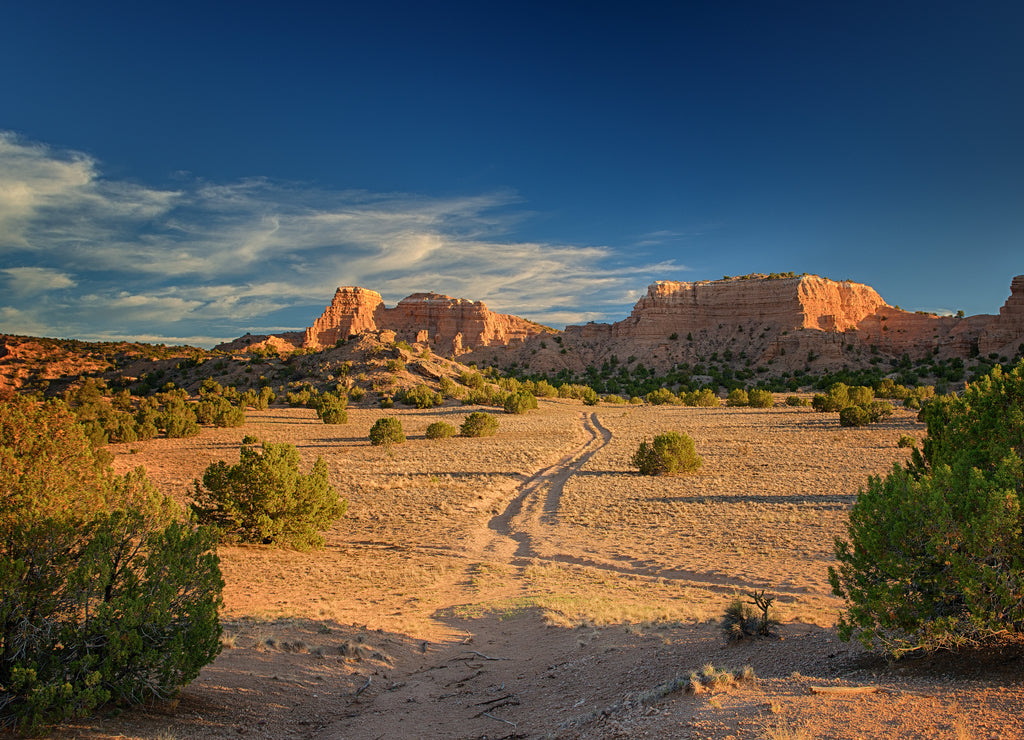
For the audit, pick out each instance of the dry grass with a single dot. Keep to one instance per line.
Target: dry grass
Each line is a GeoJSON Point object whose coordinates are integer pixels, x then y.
{"type": "Point", "coordinates": [605, 544]}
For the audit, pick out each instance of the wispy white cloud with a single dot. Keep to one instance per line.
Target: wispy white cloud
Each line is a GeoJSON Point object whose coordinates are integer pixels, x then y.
{"type": "Point", "coordinates": [33, 280]}
{"type": "Point", "coordinates": [206, 259]}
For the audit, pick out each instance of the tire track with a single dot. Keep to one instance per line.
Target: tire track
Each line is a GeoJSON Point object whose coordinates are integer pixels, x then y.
{"type": "Point", "coordinates": [530, 521]}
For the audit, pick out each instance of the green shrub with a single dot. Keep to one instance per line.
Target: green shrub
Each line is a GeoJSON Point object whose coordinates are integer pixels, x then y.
{"type": "Point", "coordinates": [479, 424]}
{"type": "Point", "coordinates": [448, 388]}
{"type": "Point", "coordinates": [178, 420]}
{"type": "Point", "coordinates": [440, 430]}
{"type": "Point", "coordinates": [356, 393]}
{"type": "Point", "coordinates": [589, 397]}
{"type": "Point", "coordinates": [935, 557]}
{"type": "Point", "coordinates": [264, 498]}
{"type": "Point", "coordinates": [613, 398]}
{"type": "Point", "coordinates": [331, 408]}
{"type": "Point", "coordinates": [520, 402]}
{"type": "Point", "coordinates": [706, 398]}
{"type": "Point", "coordinates": [472, 379]}
{"type": "Point", "coordinates": [422, 397]}
{"type": "Point", "coordinates": [797, 401]}
{"type": "Point", "coordinates": [105, 596]}
{"type": "Point", "coordinates": [661, 396]}
{"type": "Point", "coordinates": [860, 395]}
{"type": "Point", "coordinates": [635, 400]}
{"type": "Point", "coordinates": [878, 410]}
{"type": "Point", "coordinates": [738, 397]}
{"type": "Point", "coordinates": [387, 431]}
{"type": "Point", "coordinates": [854, 416]}
{"type": "Point", "coordinates": [219, 411]}
{"type": "Point", "coordinates": [837, 399]}
{"type": "Point", "coordinates": [669, 453]}
{"type": "Point", "coordinates": [905, 441]}
{"type": "Point", "coordinates": [544, 389]}
{"type": "Point", "coordinates": [761, 399]}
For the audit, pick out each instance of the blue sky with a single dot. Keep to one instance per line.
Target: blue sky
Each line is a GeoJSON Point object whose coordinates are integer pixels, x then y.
{"type": "Point", "coordinates": [187, 172]}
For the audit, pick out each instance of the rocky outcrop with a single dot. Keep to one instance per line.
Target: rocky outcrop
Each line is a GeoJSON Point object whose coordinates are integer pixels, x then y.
{"type": "Point", "coordinates": [789, 322]}
{"type": "Point", "coordinates": [352, 310]}
{"type": "Point", "coordinates": [749, 303]}
{"type": "Point", "coordinates": [449, 325]}
{"type": "Point", "coordinates": [1005, 333]}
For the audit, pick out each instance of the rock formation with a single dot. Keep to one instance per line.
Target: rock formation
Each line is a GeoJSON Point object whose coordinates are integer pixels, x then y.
{"type": "Point", "coordinates": [448, 325]}
{"type": "Point", "coordinates": [353, 310]}
{"type": "Point", "coordinates": [1005, 333]}
{"type": "Point", "coordinates": [789, 322]}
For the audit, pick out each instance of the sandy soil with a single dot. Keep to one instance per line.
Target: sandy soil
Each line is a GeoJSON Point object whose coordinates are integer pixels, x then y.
{"type": "Point", "coordinates": [532, 585]}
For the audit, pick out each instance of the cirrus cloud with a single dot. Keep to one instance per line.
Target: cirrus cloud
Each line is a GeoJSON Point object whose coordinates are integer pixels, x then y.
{"type": "Point", "coordinates": [114, 259]}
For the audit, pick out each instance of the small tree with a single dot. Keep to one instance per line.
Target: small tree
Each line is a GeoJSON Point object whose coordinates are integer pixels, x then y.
{"type": "Point", "coordinates": [331, 408]}
{"type": "Point", "coordinates": [668, 454]}
{"type": "Point", "coordinates": [935, 557]}
{"type": "Point", "coordinates": [387, 431]}
{"type": "Point", "coordinates": [105, 594]}
{"type": "Point", "coordinates": [761, 399]}
{"type": "Point", "coordinates": [479, 424]}
{"type": "Point", "coordinates": [264, 498]}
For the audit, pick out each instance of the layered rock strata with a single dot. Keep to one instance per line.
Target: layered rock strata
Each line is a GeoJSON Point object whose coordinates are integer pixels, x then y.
{"type": "Point", "coordinates": [449, 325]}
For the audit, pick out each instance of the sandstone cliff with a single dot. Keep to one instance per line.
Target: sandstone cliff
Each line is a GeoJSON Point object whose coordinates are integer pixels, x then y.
{"type": "Point", "coordinates": [1004, 335]}
{"type": "Point", "coordinates": [788, 323]}
{"type": "Point", "coordinates": [448, 325]}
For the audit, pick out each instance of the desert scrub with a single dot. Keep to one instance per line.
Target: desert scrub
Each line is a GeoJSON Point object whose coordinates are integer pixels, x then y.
{"type": "Point", "coordinates": [331, 408]}
{"type": "Point", "coordinates": [854, 416]}
{"type": "Point", "coordinates": [668, 454]}
{"type": "Point", "coordinates": [422, 397]}
{"type": "Point", "coordinates": [905, 441]}
{"type": "Point", "coordinates": [737, 397]}
{"type": "Point", "coordinates": [742, 620]}
{"type": "Point", "coordinates": [108, 594]}
{"type": "Point", "coordinates": [479, 424]}
{"type": "Point", "coordinates": [761, 399]}
{"type": "Point", "coordinates": [797, 401]}
{"type": "Point", "coordinates": [265, 499]}
{"type": "Point", "coordinates": [661, 396]}
{"type": "Point", "coordinates": [520, 402]}
{"type": "Point", "coordinates": [387, 431]}
{"type": "Point", "coordinates": [440, 430]}
{"type": "Point", "coordinates": [935, 556]}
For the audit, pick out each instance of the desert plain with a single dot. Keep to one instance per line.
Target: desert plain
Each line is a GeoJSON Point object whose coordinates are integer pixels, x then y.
{"type": "Point", "coordinates": [532, 584]}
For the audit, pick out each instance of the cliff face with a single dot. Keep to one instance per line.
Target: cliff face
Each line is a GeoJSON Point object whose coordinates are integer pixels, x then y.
{"type": "Point", "coordinates": [1005, 333]}
{"type": "Point", "coordinates": [352, 310]}
{"type": "Point", "coordinates": [450, 325]}
{"type": "Point", "coordinates": [789, 323]}
{"type": "Point", "coordinates": [740, 305]}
